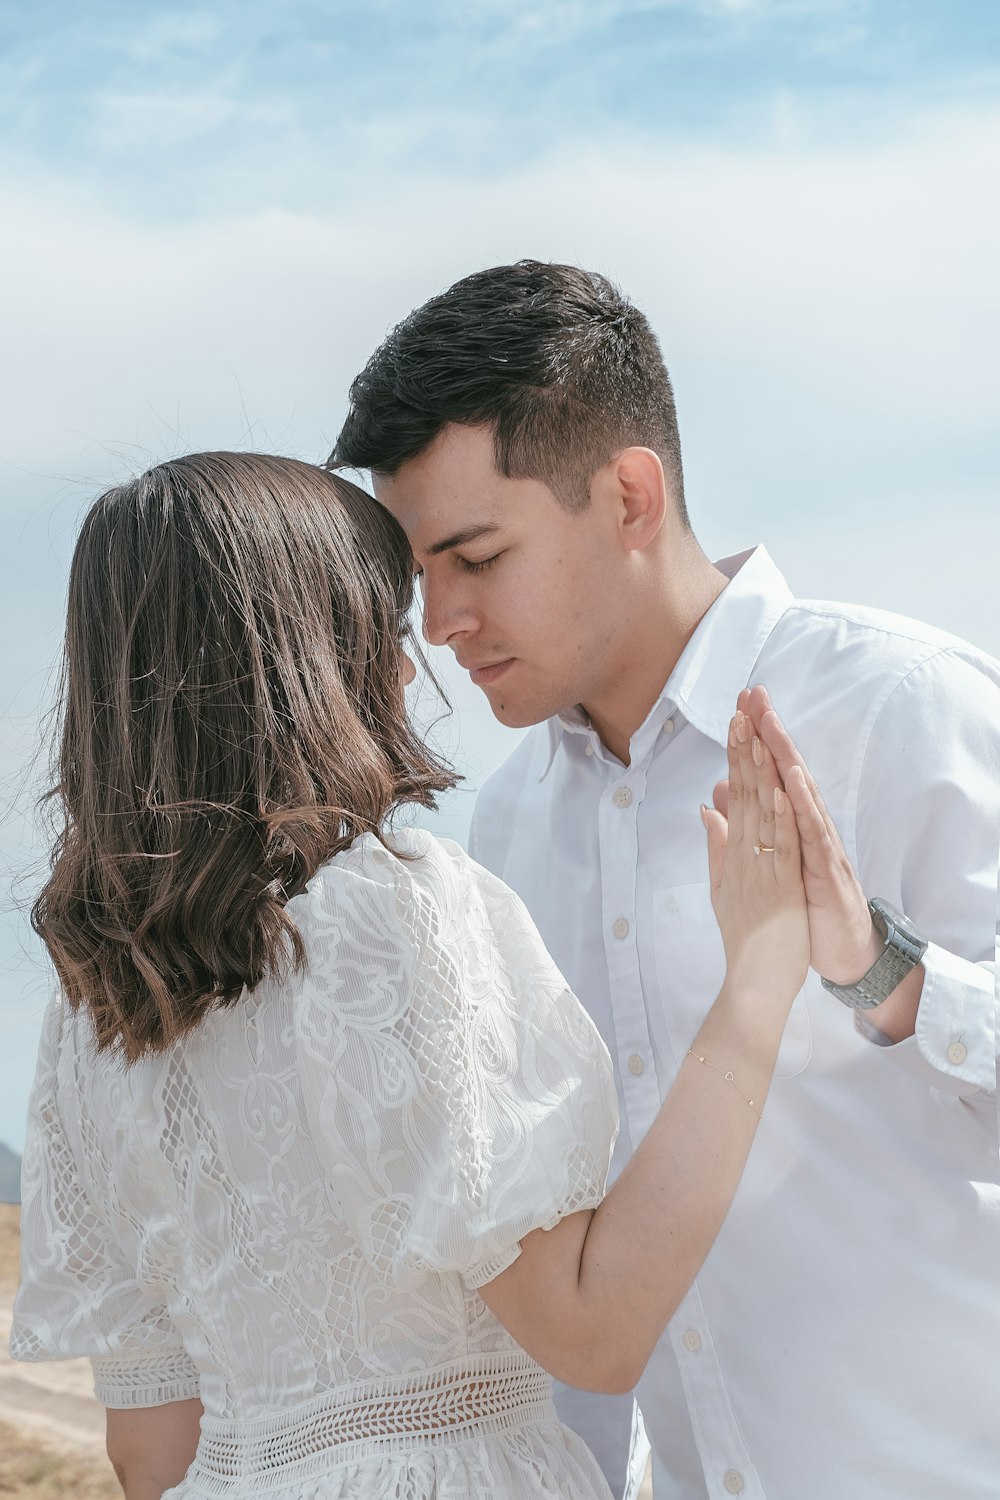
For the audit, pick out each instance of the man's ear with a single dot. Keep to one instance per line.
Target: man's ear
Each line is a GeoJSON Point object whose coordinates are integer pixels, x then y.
{"type": "Point", "coordinates": [637, 475]}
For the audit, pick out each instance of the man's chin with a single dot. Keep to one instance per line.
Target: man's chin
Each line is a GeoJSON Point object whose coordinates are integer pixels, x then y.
{"type": "Point", "coordinates": [507, 710]}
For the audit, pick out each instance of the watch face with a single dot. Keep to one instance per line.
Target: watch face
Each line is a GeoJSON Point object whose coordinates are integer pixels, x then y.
{"type": "Point", "coordinates": [889, 916]}
{"type": "Point", "coordinates": [898, 926]}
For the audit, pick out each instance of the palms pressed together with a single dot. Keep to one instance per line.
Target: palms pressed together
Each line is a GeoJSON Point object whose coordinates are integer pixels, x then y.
{"type": "Point", "coordinates": [842, 942]}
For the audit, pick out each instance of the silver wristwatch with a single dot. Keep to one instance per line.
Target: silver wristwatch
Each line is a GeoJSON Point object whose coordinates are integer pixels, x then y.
{"type": "Point", "coordinates": [904, 948]}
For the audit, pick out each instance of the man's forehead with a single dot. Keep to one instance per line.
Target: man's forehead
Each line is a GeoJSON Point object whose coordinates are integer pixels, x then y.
{"type": "Point", "coordinates": [437, 518]}
{"type": "Point", "coordinates": [455, 454]}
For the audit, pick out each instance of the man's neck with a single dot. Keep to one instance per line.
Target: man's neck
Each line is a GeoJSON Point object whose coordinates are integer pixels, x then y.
{"type": "Point", "coordinates": [651, 652]}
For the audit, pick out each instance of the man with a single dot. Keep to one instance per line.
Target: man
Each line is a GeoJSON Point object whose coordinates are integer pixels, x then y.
{"type": "Point", "coordinates": [842, 1339]}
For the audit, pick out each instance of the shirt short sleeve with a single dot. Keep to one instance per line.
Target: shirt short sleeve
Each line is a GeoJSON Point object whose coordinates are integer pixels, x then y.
{"type": "Point", "coordinates": [77, 1295]}
{"type": "Point", "coordinates": [458, 1093]}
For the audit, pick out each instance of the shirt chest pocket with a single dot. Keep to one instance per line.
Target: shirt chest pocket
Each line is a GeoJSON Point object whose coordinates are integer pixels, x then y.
{"type": "Point", "coordinates": [690, 968]}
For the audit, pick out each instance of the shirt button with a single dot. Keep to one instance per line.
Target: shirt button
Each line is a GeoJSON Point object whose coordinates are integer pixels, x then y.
{"type": "Point", "coordinates": [957, 1053]}
{"type": "Point", "coordinates": [620, 929]}
{"type": "Point", "coordinates": [692, 1341]}
{"type": "Point", "coordinates": [668, 727]}
{"type": "Point", "coordinates": [733, 1482]}
{"type": "Point", "coordinates": [622, 796]}
{"type": "Point", "coordinates": [636, 1066]}
{"type": "Point", "coordinates": [589, 750]}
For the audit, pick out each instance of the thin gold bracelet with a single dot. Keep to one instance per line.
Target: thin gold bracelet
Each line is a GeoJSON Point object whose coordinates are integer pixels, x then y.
{"type": "Point", "coordinates": [728, 1076]}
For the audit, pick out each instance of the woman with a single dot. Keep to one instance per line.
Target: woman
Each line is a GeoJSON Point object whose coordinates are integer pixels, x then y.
{"type": "Point", "coordinates": [318, 1138]}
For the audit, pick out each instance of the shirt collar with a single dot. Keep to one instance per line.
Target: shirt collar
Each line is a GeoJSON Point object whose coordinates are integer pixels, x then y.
{"type": "Point", "coordinates": [718, 659]}
{"type": "Point", "coordinates": [570, 721]}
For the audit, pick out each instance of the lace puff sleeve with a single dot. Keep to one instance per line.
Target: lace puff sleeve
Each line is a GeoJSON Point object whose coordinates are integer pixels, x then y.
{"type": "Point", "coordinates": [459, 1095]}
{"type": "Point", "coordinates": [77, 1294]}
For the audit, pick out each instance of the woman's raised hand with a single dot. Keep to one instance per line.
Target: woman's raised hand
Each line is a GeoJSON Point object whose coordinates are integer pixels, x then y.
{"type": "Point", "coordinates": [842, 942]}
{"type": "Point", "coordinates": [755, 868]}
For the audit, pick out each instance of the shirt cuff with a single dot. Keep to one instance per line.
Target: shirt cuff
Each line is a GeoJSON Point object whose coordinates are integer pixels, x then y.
{"type": "Point", "coordinates": [954, 1047]}
{"type": "Point", "coordinates": [153, 1380]}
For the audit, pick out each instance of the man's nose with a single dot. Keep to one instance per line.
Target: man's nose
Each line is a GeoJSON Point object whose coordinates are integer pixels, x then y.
{"type": "Point", "coordinates": [445, 614]}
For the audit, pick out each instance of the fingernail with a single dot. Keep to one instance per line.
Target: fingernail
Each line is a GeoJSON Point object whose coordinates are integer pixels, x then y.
{"type": "Point", "coordinates": [779, 800]}
{"type": "Point", "coordinates": [704, 814]}
{"type": "Point", "coordinates": [757, 751]}
{"type": "Point", "coordinates": [732, 730]}
{"type": "Point", "coordinates": [741, 728]}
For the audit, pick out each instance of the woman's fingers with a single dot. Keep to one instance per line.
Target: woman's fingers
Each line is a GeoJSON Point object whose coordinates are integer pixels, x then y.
{"type": "Point", "coordinates": [787, 850]}
{"type": "Point", "coordinates": [748, 775]}
{"type": "Point", "coordinates": [786, 755]}
{"type": "Point", "coordinates": [756, 872]}
{"type": "Point", "coordinates": [736, 813]}
{"type": "Point", "coordinates": [767, 781]}
{"type": "Point", "coordinates": [754, 810]}
{"type": "Point", "coordinates": [753, 778]}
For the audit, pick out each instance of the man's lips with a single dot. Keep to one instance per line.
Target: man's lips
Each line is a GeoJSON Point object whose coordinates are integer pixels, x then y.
{"type": "Point", "coordinates": [488, 672]}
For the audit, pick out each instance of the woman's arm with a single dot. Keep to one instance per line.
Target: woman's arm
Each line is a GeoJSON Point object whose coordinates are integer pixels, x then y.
{"type": "Point", "coordinates": [151, 1448]}
{"type": "Point", "coordinates": [590, 1298]}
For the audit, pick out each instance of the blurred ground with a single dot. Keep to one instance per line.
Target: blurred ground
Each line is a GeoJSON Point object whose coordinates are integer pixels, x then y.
{"type": "Point", "coordinates": [33, 1468]}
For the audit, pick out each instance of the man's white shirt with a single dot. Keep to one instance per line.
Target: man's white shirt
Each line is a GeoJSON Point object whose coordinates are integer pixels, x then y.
{"type": "Point", "coordinates": [842, 1341]}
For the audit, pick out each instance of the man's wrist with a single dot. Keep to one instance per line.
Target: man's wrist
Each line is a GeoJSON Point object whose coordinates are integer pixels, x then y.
{"type": "Point", "coordinates": [854, 970]}
{"type": "Point", "coordinates": [903, 948]}
{"type": "Point", "coordinates": [896, 1017]}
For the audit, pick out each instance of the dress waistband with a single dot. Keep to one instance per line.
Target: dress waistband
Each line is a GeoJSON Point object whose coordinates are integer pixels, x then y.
{"type": "Point", "coordinates": [486, 1394]}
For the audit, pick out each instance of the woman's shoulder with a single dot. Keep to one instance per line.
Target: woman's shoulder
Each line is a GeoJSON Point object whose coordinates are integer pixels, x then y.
{"type": "Point", "coordinates": [408, 865]}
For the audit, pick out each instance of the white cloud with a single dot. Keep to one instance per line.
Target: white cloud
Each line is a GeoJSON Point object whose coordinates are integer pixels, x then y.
{"type": "Point", "coordinates": [134, 121]}
{"type": "Point", "coordinates": [582, 15]}
{"type": "Point", "coordinates": [169, 31]}
{"type": "Point", "coordinates": [864, 276]}
{"type": "Point", "coordinates": [768, 10]}
{"type": "Point", "coordinates": [830, 318]}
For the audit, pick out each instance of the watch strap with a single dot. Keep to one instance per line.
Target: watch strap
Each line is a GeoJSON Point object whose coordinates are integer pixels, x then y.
{"type": "Point", "coordinates": [898, 958]}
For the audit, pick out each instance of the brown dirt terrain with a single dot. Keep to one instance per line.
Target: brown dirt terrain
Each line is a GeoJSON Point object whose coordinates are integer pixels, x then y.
{"type": "Point", "coordinates": [51, 1426]}
{"type": "Point", "coordinates": [31, 1469]}
{"type": "Point", "coordinates": [10, 1243]}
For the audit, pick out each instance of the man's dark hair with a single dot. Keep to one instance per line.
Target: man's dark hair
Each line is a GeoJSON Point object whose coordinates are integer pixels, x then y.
{"type": "Point", "coordinates": [564, 369]}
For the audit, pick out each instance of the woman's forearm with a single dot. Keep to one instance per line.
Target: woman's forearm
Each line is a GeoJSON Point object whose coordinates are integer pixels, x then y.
{"type": "Point", "coordinates": [589, 1298]}
{"type": "Point", "coordinates": [677, 1189]}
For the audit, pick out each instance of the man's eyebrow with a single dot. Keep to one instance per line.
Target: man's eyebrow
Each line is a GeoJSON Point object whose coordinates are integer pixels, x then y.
{"type": "Point", "coordinates": [460, 538]}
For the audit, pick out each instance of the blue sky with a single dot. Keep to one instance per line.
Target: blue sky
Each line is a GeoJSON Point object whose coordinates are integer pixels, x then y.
{"type": "Point", "coordinates": [209, 214]}
{"type": "Point", "coordinates": [183, 110]}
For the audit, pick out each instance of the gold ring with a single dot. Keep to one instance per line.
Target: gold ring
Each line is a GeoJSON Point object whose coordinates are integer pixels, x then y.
{"type": "Point", "coordinates": [763, 848]}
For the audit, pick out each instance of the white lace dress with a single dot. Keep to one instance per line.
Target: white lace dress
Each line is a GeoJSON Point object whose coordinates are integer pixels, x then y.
{"type": "Point", "coordinates": [289, 1212]}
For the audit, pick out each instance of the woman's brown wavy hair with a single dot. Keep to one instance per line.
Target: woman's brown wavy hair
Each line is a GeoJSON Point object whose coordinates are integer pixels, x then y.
{"type": "Point", "coordinates": [231, 715]}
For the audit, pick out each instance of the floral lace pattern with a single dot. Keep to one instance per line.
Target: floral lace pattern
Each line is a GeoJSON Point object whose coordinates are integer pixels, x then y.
{"type": "Point", "coordinates": [289, 1212]}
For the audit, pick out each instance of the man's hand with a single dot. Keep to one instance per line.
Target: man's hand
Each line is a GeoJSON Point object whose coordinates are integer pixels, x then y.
{"type": "Point", "coordinates": [843, 944]}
